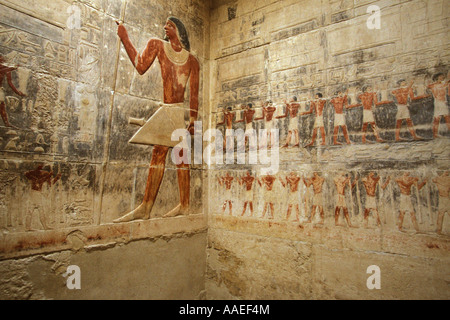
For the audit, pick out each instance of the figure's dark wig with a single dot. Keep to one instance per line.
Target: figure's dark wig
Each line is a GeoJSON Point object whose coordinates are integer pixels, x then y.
{"type": "Point", "coordinates": [182, 33]}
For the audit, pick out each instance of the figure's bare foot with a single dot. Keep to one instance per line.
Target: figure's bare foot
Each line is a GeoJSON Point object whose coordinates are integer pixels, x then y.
{"type": "Point", "coordinates": [177, 211]}
{"type": "Point", "coordinates": [141, 212]}
{"type": "Point", "coordinates": [337, 143]}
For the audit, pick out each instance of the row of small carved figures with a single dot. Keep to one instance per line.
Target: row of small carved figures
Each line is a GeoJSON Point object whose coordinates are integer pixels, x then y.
{"type": "Point", "coordinates": [405, 183]}
{"type": "Point", "coordinates": [404, 94]}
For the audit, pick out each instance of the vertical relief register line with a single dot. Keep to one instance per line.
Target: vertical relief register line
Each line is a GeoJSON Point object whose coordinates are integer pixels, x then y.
{"type": "Point", "coordinates": [109, 124]}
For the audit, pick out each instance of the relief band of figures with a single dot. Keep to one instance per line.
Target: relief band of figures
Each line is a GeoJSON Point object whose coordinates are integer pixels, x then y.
{"type": "Point", "coordinates": [368, 100]}
{"type": "Point", "coordinates": [301, 198]}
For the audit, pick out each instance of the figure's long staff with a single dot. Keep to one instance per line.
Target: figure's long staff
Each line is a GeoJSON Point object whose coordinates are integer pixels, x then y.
{"type": "Point", "coordinates": [108, 130]}
{"type": "Point", "coordinates": [419, 203]}
{"type": "Point", "coordinates": [358, 198]}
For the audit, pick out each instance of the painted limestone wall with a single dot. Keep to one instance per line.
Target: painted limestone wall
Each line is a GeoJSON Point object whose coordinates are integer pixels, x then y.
{"type": "Point", "coordinates": [363, 179]}
{"type": "Point", "coordinates": [66, 168]}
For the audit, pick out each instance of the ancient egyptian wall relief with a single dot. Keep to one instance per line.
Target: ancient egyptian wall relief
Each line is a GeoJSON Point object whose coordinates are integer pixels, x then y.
{"type": "Point", "coordinates": [397, 200]}
{"type": "Point", "coordinates": [363, 121]}
{"type": "Point", "coordinates": [71, 162]}
{"type": "Point", "coordinates": [414, 132]}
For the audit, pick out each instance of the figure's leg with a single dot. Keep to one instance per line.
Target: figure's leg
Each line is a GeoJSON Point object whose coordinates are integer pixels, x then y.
{"type": "Point", "coordinates": [322, 131]}
{"type": "Point", "coordinates": [366, 217]}
{"type": "Point", "coordinates": [297, 138]}
{"type": "Point", "coordinates": [322, 216]}
{"type": "Point", "coordinates": [184, 188]}
{"type": "Point", "coordinates": [397, 130]}
{"type": "Point", "coordinates": [436, 126]}
{"type": "Point", "coordinates": [288, 139]}
{"type": "Point", "coordinates": [155, 176]}
{"type": "Point", "coordinates": [375, 132]}
{"type": "Point", "coordinates": [28, 220]}
{"type": "Point", "coordinates": [347, 217]}
{"type": "Point", "coordinates": [335, 136]}
{"type": "Point", "coordinates": [347, 139]}
{"type": "Point", "coordinates": [251, 208]}
{"type": "Point", "coordinates": [263, 143]}
{"type": "Point", "coordinates": [245, 207]}
{"type": "Point", "coordinates": [43, 219]}
{"type": "Point", "coordinates": [264, 210]}
{"type": "Point", "coordinates": [271, 140]}
{"type": "Point", "coordinates": [411, 129]}
{"type": "Point", "coordinates": [378, 218]}
{"type": "Point", "coordinates": [336, 216]}
{"type": "Point", "coordinates": [313, 137]}
{"type": "Point", "coordinates": [364, 130]}
{"type": "Point", "coordinates": [440, 220]}
{"type": "Point", "coordinates": [414, 220]}
{"type": "Point", "coordinates": [401, 216]}
{"type": "Point", "coordinates": [313, 212]}
{"type": "Point", "coordinates": [288, 214]}
{"type": "Point", "coordinates": [271, 210]}
{"type": "Point", "coordinates": [4, 115]}
{"type": "Point", "coordinates": [297, 211]}
{"type": "Point", "coordinates": [447, 121]}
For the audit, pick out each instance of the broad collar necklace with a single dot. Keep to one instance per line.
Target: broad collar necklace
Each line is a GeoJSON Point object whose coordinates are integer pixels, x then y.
{"type": "Point", "coordinates": [176, 57]}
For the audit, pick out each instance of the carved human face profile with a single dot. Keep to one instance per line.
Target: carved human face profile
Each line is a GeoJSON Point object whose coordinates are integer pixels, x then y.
{"type": "Point", "coordinates": [170, 30]}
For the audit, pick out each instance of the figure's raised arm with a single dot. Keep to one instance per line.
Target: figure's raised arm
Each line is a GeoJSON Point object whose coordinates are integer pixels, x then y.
{"type": "Point", "coordinates": [263, 114]}
{"type": "Point", "coordinates": [422, 184]}
{"type": "Point", "coordinates": [388, 179]}
{"type": "Point", "coordinates": [10, 83]}
{"type": "Point", "coordinates": [142, 62]}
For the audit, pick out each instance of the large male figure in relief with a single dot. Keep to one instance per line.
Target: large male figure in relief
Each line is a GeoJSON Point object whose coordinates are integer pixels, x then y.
{"type": "Point", "coordinates": [178, 66]}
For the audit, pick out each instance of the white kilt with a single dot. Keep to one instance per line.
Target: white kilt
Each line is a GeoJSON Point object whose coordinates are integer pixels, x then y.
{"type": "Point", "coordinates": [368, 116]}
{"type": "Point", "coordinates": [248, 196]}
{"type": "Point", "coordinates": [317, 199]}
{"type": "Point", "coordinates": [159, 128]}
{"type": "Point", "coordinates": [227, 194]}
{"type": "Point", "coordinates": [371, 202]}
{"type": "Point", "coordinates": [405, 203]}
{"type": "Point", "coordinates": [292, 198]}
{"type": "Point", "coordinates": [339, 119]}
{"type": "Point", "coordinates": [444, 204]}
{"type": "Point", "coordinates": [402, 112]}
{"type": "Point", "coordinates": [269, 196]}
{"type": "Point", "coordinates": [2, 95]}
{"type": "Point", "coordinates": [293, 124]}
{"type": "Point", "coordinates": [440, 108]}
{"type": "Point", "coordinates": [269, 126]}
{"type": "Point", "coordinates": [319, 122]}
{"type": "Point", "coordinates": [340, 200]}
